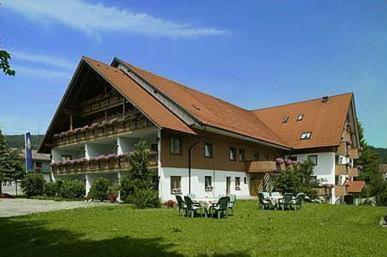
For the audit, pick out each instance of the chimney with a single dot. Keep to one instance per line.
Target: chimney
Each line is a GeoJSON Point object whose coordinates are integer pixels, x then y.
{"type": "Point", "coordinates": [324, 99]}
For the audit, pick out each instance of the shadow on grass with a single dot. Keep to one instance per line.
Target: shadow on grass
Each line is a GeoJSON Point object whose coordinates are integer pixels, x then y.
{"type": "Point", "coordinates": [20, 238]}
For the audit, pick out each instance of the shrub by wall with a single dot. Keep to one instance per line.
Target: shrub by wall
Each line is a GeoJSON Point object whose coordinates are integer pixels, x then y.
{"type": "Point", "coordinates": [99, 190]}
{"type": "Point", "coordinates": [145, 198]}
{"type": "Point", "coordinates": [50, 189]}
{"type": "Point", "coordinates": [32, 184]}
{"type": "Point", "coordinates": [72, 189]}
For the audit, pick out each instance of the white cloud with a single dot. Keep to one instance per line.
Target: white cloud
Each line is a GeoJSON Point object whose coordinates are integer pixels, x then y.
{"type": "Point", "coordinates": [98, 18]}
{"type": "Point", "coordinates": [42, 59]}
{"type": "Point", "coordinates": [39, 72]}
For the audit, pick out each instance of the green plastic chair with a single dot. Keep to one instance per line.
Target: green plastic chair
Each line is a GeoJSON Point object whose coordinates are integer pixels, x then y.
{"type": "Point", "coordinates": [220, 208]}
{"type": "Point", "coordinates": [286, 202]}
{"type": "Point", "coordinates": [232, 203]}
{"type": "Point", "coordinates": [297, 201]}
{"type": "Point", "coordinates": [264, 203]}
{"type": "Point", "coordinates": [192, 208]}
{"type": "Point", "coordinates": [181, 206]}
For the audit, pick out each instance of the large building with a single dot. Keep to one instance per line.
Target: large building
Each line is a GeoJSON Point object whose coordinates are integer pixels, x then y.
{"type": "Point", "coordinates": [202, 145]}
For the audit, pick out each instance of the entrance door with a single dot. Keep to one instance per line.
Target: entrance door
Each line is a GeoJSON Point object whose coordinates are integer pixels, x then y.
{"type": "Point", "coordinates": [255, 184]}
{"type": "Point", "coordinates": [228, 185]}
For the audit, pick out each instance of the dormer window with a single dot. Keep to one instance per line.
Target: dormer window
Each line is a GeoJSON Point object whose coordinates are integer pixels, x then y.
{"type": "Point", "coordinates": [306, 135]}
{"type": "Point", "coordinates": [286, 118]}
{"type": "Point", "coordinates": [300, 117]}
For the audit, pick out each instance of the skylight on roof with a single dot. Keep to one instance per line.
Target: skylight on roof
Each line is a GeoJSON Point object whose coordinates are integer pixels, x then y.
{"type": "Point", "coordinates": [300, 117]}
{"type": "Point", "coordinates": [305, 135]}
{"type": "Point", "coordinates": [286, 118]}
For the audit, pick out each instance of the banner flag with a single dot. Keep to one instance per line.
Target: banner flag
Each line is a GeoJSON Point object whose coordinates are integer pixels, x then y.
{"type": "Point", "coordinates": [28, 152]}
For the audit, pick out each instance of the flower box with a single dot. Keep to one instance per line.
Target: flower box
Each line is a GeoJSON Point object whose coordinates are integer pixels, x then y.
{"type": "Point", "coordinates": [114, 163]}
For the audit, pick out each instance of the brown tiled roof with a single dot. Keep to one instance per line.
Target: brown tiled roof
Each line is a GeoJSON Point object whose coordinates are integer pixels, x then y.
{"type": "Point", "coordinates": [210, 110]}
{"type": "Point", "coordinates": [146, 103]}
{"type": "Point", "coordinates": [324, 120]}
{"type": "Point", "coordinates": [355, 186]}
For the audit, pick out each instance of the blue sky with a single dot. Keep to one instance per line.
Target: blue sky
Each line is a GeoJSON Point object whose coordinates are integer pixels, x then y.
{"type": "Point", "coordinates": [251, 53]}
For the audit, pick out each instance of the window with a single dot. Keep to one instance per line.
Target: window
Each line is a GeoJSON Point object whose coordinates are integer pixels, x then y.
{"type": "Point", "coordinates": [237, 183]}
{"type": "Point", "coordinates": [300, 117]}
{"type": "Point", "coordinates": [306, 135]}
{"type": "Point", "coordinates": [313, 159]}
{"type": "Point", "coordinates": [38, 166]}
{"type": "Point", "coordinates": [293, 158]}
{"type": "Point", "coordinates": [242, 154]}
{"type": "Point", "coordinates": [208, 150]}
{"type": "Point", "coordinates": [175, 145]}
{"type": "Point", "coordinates": [256, 156]}
{"type": "Point", "coordinates": [267, 156]}
{"type": "Point", "coordinates": [233, 152]}
{"type": "Point", "coordinates": [286, 118]}
{"type": "Point", "coordinates": [245, 180]}
{"type": "Point", "coordinates": [66, 157]}
{"type": "Point", "coordinates": [175, 185]}
{"type": "Point", "coordinates": [208, 183]}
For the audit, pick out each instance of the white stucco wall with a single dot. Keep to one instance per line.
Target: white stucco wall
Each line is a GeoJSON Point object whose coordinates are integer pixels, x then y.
{"type": "Point", "coordinates": [325, 168]}
{"type": "Point", "coordinates": [198, 184]}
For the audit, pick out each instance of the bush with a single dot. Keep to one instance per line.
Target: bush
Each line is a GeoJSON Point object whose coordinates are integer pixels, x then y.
{"type": "Point", "coordinates": [71, 189]}
{"type": "Point", "coordinates": [32, 184]}
{"type": "Point", "coordinates": [99, 190]}
{"type": "Point", "coordinates": [50, 189]}
{"type": "Point", "coordinates": [145, 198]}
{"type": "Point", "coordinates": [381, 199]}
{"type": "Point", "coordinates": [127, 187]}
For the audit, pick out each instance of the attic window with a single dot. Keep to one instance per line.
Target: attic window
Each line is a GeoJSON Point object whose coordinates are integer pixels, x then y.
{"type": "Point", "coordinates": [300, 117]}
{"type": "Point", "coordinates": [305, 135]}
{"type": "Point", "coordinates": [286, 118]}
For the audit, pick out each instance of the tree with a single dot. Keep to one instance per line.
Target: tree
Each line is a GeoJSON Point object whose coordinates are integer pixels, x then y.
{"type": "Point", "coordinates": [4, 63]}
{"type": "Point", "coordinates": [11, 162]}
{"type": "Point", "coordinates": [297, 179]}
{"type": "Point", "coordinates": [139, 163]}
{"type": "Point", "coordinates": [369, 160]}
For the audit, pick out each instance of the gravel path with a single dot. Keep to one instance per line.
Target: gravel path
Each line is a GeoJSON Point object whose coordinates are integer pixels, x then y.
{"type": "Point", "coordinates": [17, 207]}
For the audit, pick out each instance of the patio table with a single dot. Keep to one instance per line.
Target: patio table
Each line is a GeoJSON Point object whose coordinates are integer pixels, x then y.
{"type": "Point", "coordinates": [275, 199]}
{"type": "Point", "coordinates": [206, 203]}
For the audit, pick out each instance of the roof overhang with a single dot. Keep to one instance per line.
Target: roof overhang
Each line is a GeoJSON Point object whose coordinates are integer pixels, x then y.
{"type": "Point", "coordinates": [243, 137]}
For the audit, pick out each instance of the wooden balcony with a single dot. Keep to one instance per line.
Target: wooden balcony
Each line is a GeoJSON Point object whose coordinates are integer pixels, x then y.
{"type": "Point", "coordinates": [99, 164]}
{"type": "Point", "coordinates": [263, 166]}
{"type": "Point", "coordinates": [103, 129]}
{"type": "Point", "coordinates": [341, 191]}
{"type": "Point", "coordinates": [100, 103]}
{"type": "Point", "coordinates": [353, 171]}
{"type": "Point", "coordinates": [342, 149]}
{"type": "Point", "coordinates": [341, 169]}
{"type": "Point", "coordinates": [353, 153]}
{"type": "Point", "coordinates": [323, 191]}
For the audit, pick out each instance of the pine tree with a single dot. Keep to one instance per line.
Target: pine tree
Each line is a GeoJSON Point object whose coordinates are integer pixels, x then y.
{"type": "Point", "coordinates": [369, 160]}
{"type": "Point", "coordinates": [11, 163]}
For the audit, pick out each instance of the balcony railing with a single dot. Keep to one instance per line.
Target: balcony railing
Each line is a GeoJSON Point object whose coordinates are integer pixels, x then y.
{"type": "Point", "coordinates": [353, 171]}
{"type": "Point", "coordinates": [323, 191]}
{"type": "Point", "coordinates": [342, 149]}
{"type": "Point", "coordinates": [264, 166]}
{"type": "Point", "coordinates": [340, 169]}
{"type": "Point", "coordinates": [102, 129]}
{"type": "Point", "coordinates": [100, 103]}
{"type": "Point", "coordinates": [99, 164]}
{"type": "Point", "coordinates": [341, 190]}
{"type": "Point", "coordinates": [353, 153]}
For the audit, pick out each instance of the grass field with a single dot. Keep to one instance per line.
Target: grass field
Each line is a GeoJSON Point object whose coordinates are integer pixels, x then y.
{"type": "Point", "coordinates": [316, 230]}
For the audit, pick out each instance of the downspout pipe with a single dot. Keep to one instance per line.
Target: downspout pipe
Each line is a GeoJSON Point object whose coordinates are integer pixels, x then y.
{"type": "Point", "coordinates": [189, 163]}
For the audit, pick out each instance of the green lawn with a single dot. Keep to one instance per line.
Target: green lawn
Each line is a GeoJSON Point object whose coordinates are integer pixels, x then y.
{"type": "Point", "coordinates": [316, 230]}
